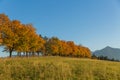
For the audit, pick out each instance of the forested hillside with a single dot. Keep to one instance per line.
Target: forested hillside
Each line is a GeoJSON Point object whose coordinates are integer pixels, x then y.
{"type": "Point", "coordinates": [109, 52]}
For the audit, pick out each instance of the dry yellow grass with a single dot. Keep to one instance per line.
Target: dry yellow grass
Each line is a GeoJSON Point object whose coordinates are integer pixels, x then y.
{"type": "Point", "coordinates": [58, 68]}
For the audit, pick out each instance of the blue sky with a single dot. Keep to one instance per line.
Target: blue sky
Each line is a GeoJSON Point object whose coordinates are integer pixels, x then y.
{"type": "Point", "coordinates": [92, 23]}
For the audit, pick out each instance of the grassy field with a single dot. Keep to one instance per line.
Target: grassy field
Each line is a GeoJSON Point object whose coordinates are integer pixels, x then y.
{"type": "Point", "coordinates": [58, 68]}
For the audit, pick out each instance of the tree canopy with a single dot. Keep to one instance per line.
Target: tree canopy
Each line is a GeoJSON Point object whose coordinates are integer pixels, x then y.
{"type": "Point", "coordinates": [22, 38]}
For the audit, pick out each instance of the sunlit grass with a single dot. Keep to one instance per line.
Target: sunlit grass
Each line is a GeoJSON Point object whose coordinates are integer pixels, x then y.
{"type": "Point", "coordinates": [58, 68]}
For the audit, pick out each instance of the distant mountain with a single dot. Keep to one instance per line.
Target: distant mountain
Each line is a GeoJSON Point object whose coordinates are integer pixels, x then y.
{"type": "Point", "coordinates": [109, 52]}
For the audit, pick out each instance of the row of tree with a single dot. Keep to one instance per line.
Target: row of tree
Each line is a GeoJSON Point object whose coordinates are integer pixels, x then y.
{"type": "Point", "coordinates": [54, 46]}
{"type": "Point", "coordinates": [22, 38]}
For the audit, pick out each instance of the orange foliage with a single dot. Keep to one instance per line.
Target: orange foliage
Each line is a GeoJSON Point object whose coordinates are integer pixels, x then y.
{"type": "Point", "coordinates": [54, 46]}
{"type": "Point", "coordinates": [18, 37]}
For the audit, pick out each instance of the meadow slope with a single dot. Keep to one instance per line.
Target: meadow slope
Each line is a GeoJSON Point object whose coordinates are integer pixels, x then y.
{"type": "Point", "coordinates": [58, 68]}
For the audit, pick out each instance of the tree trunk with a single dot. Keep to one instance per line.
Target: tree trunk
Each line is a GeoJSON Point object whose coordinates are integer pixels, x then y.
{"type": "Point", "coordinates": [26, 54]}
{"type": "Point", "coordinates": [19, 54]}
{"type": "Point", "coordinates": [10, 53]}
{"type": "Point", "coordinates": [11, 50]}
{"type": "Point", "coordinates": [38, 53]}
{"type": "Point", "coordinates": [33, 54]}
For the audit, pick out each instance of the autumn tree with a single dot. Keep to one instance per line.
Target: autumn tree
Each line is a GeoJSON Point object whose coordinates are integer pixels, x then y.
{"type": "Point", "coordinates": [72, 50]}
{"type": "Point", "coordinates": [29, 42]}
{"type": "Point", "coordinates": [8, 32]}
{"type": "Point", "coordinates": [4, 22]}
{"type": "Point", "coordinates": [42, 48]}
{"type": "Point", "coordinates": [63, 49]}
{"type": "Point", "coordinates": [55, 46]}
{"type": "Point", "coordinates": [19, 37]}
{"type": "Point", "coordinates": [22, 38]}
{"type": "Point", "coordinates": [52, 46]}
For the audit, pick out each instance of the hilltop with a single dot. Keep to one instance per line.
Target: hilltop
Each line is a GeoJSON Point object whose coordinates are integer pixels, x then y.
{"type": "Point", "coordinates": [109, 52]}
